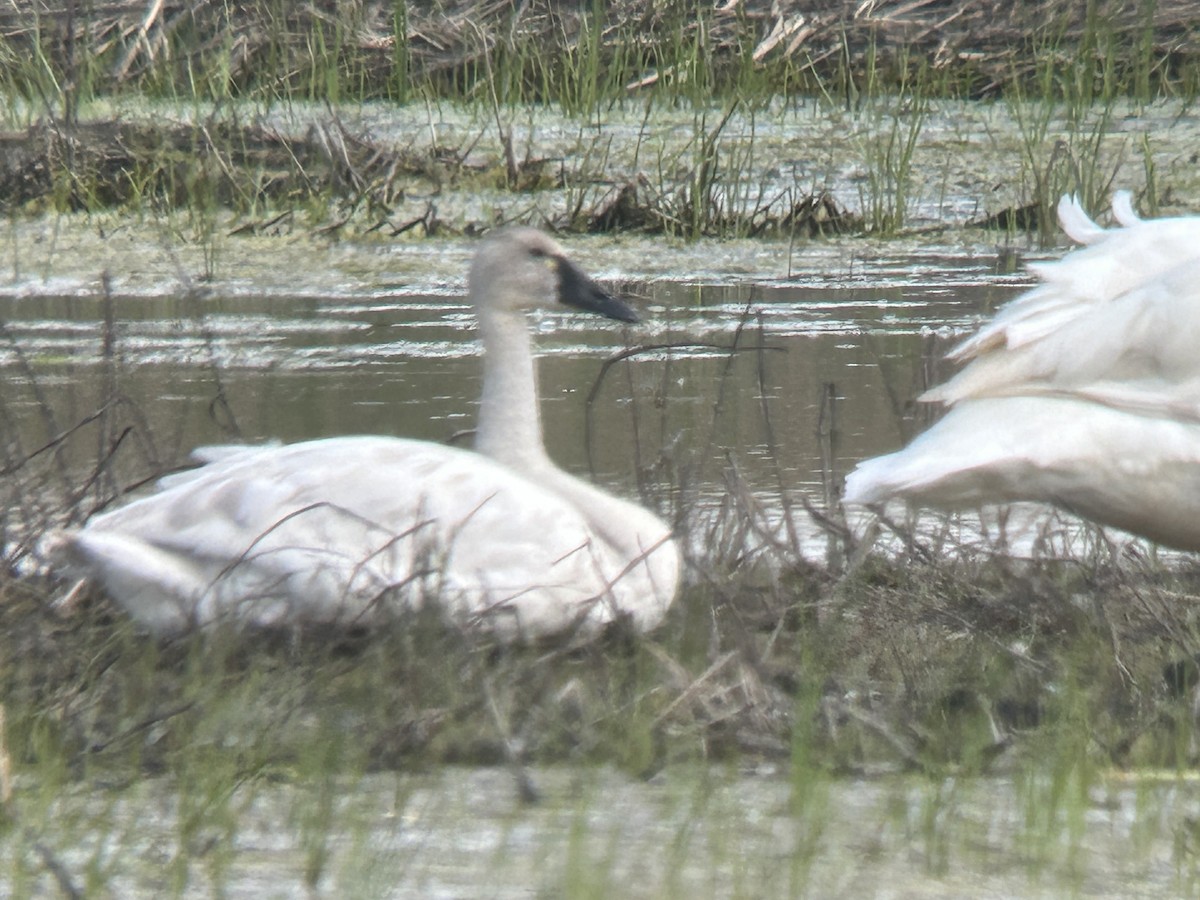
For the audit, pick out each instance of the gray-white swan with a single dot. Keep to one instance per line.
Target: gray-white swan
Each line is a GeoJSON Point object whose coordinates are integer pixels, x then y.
{"type": "Point", "coordinates": [1084, 392]}
{"type": "Point", "coordinates": [352, 529]}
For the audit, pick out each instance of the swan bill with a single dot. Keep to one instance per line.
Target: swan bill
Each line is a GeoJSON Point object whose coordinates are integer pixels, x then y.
{"type": "Point", "coordinates": [577, 290]}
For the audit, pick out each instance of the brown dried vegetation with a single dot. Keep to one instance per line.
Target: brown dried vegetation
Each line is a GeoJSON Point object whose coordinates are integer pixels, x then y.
{"type": "Point", "coordinates": [273, 43]}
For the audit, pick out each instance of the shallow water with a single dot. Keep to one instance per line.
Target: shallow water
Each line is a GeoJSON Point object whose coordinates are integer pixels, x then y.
{"type": "Point", "coordinates": [692, 832]}
{"type": "Point", "coordinates": [777, 365]}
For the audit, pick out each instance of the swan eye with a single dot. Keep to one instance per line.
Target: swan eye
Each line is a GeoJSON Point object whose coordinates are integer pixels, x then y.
{"type": "Point", "coordinates": [549, 260]}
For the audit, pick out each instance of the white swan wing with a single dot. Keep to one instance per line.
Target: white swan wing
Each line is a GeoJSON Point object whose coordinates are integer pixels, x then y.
{"type": "Point", "coordinates": [1116, 322]}
{"type": "Point", "coordinates": [1083, 393]}
{"type": "Point", "coordinates": [1112, 263]}
{"type": "Point", "coordinates": [1137, 352]}
{"type": "Point", "coordinates": [329, 530]}
{"type": "Point", "coordinates": [1114, 467]}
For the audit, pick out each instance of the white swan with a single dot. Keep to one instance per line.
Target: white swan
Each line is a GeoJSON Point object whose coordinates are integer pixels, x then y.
{"type": "Point", "coordinates": [1084, 392]}
{"type": "Point", "coordinates": [350, 529]}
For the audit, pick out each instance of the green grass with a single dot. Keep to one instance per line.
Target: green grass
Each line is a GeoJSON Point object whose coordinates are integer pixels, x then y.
{"type": "Point", "coordinates": [887, 143]}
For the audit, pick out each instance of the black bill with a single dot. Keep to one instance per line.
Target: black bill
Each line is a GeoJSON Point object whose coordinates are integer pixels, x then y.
{"type": "Point", "coordinates": [576, 289]}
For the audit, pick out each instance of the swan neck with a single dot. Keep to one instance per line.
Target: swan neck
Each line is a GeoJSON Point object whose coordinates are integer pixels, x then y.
{"type": "Point", "coordinates": [510, 427]}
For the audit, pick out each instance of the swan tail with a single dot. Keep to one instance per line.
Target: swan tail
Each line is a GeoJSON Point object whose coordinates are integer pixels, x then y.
{"type": "Point", "coordinates": [935, 479]}
{"type": "Point", "coordinates": [1083, 229]}
{"type": "Point", "coordinates": [158, 588]}
{"type": "Point", "coordinates": [989, 451]}
{"type": "Point", "coordinates": [1079, 226]}
{"type": "Point", "coordinates": [1122, 209]}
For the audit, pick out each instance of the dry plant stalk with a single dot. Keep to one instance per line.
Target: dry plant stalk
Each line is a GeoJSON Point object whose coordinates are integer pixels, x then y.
{"type": "Point", "coordinates": [5, 763]}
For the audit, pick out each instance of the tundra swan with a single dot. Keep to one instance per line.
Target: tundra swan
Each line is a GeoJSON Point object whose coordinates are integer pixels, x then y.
{"type": "Point", "coordinates": [346, 529]}
{"type": "Point", "coordinates": [1084, 392]}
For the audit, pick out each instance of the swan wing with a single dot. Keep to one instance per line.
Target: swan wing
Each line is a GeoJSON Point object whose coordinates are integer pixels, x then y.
{"type": "Point", "coordinates": [330, 530]}
{"type": "Point", "coordinates": [1116, 322]}
{"type": "Point", "coordinates": [1136, 352]}
{"type": "Point", "coordinates": [1111, 264]}
{"type": "Point", "coordinates": [1083, 393]}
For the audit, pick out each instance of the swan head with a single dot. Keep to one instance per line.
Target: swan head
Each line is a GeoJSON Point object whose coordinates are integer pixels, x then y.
{"type": "Point", "coordinates": [521, 268]}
